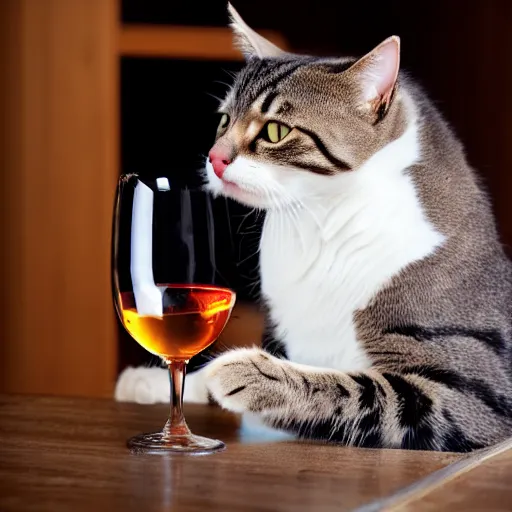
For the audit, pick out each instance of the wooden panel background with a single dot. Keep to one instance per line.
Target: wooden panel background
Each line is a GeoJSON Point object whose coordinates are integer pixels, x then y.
{"type": "Point", "coordinates": [59, 166]}
{"type": "Point", "coordinates": [59, 150]}
{"type": "Point", "coordinates": [204, 43]}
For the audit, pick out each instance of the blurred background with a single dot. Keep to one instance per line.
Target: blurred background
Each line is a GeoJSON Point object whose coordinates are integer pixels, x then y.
{"type": "Point", "coordinates": [90, 89]}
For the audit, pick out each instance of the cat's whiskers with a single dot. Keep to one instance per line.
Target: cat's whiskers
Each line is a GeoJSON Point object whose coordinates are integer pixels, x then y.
{"type": "Point", "coordinates": [275, 229]}
{"type": "Point", "coordinates": [293, 204]}
{"type": "Point", "coordinates": [244, 218]}
{"type": "Point", "coordinates": [266, 193]}
{"type": "Point", "coordinates": [215, 97]}
{"type": "Point", "coordinates": [231, 74]}
{"type": "Point", "coordinates": [293, 214]}
{"type": "Point", "coordinates": [221, 82]}
{"type": "Point", "coordinates": [288, 210]}
{"type": "Point", "coordinates": [297, 203]}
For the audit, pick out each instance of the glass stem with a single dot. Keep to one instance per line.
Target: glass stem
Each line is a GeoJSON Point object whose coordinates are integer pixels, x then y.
{"type": "Point", "coordinates": [176, 424]}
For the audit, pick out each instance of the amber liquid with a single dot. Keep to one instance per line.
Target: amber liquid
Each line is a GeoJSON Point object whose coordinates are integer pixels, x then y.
{"type": "Point", "coordinates": [193, 317]}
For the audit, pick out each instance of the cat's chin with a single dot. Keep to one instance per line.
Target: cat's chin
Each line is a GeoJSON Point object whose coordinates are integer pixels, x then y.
{"type": "Point", "coordinates": [233, 191]}
{"type": "Point", "coordinates": [243, 196]}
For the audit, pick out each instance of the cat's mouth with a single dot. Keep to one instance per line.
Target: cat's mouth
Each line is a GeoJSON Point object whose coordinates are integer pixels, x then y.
{"type": "Point", "coordinates": [230, 185]}
{"type": "Point", "coordinates": [236, 190]}
{"type": "Point", "coordinates": [232, 188]}
{"type": "Point", "coordinates": [244, 195]}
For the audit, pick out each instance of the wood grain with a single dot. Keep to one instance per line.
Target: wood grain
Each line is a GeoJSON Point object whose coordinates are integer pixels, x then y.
{"type": "Point", "coordinates": [485, 487]}
{"type": "Point", "coordinates": [202, 43]}
{"type": "Point", "coordinates": [60, 151]}
{"type": "Point", "coordinates": [61, 454]}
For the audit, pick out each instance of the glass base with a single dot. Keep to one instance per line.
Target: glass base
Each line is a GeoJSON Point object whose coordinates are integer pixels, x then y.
{"type": "Point", "coordinates": [160, 442]}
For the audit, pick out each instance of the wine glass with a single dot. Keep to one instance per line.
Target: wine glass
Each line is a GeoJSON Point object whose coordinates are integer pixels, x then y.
{"type": "Point", "coordinates": [166, 289]}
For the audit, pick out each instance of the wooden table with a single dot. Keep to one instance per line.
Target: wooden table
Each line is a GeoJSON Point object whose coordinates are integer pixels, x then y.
{"type": "Point", "coordinates": [63, 454]}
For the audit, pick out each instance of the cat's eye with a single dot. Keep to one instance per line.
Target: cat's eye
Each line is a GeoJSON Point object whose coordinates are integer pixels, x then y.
{"type": "Point", "coordinates": [275, 132]}
{"type": "Point", "coordinates": [224, 122]}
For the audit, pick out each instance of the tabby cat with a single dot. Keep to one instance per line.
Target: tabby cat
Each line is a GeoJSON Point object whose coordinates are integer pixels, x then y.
{"type": "Point", "coordinates": [388, 294]}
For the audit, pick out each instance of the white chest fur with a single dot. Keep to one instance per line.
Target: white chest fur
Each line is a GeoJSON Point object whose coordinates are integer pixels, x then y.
{"type": "Point", "coordinates": [326, 258]}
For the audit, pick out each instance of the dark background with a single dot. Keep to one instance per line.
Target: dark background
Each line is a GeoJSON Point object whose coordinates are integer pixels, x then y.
{"type": "Point", "coordinates": [458, 50]}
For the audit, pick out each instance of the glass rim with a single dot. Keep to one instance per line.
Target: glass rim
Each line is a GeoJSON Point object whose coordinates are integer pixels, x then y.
{"type": "Point", "coordinates": [163, 183]}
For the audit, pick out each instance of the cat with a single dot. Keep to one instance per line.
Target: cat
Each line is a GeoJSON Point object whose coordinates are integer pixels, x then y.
{"type": "Point", "coordinates": [387, 292]}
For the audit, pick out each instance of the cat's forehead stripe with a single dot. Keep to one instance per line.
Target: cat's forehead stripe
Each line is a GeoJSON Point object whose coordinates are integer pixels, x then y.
{"type": "Point", "coordinates": [259, 77]}
{"type": "Point", "coordinates": [267, 102]}
{"type": "Point", "coordinates": [278, 76]}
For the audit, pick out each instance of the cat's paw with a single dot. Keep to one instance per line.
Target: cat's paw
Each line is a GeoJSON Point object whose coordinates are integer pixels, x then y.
{"type": "Point", "coordinates": [246, 380]}
{"type": "Point", "coordinates": [143, 385]}
{"type": "Point", "coordinates": [195, 388]}
{"type": "Point", "coordinates": [151, 386]}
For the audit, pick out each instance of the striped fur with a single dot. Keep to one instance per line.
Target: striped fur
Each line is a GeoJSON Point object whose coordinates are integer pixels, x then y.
{"type": "Point", "coordinates": [411, 407]}
{"type": "Point", "coordinates": [388, 295]}
{"type": "Point", "coordinates": [384, 280]}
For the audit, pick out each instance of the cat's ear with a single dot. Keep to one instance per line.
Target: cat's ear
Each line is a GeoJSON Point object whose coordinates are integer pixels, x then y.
{"type": "Point", "coordinates": [251, 43]}
{"type": "Point", "coordinates": [376, 74]}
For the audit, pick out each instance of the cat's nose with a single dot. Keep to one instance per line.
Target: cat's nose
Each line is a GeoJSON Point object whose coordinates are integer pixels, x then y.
{"type": "Point", "coordinates": [219, 161]}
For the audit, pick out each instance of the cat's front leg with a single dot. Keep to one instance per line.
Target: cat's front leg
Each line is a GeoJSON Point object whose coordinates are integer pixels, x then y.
{"type": "Point", "coordinates": [419, 407]}
{"type": "Point", "coordinates": [304, 401]}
